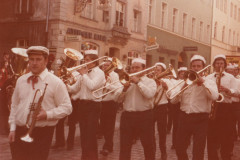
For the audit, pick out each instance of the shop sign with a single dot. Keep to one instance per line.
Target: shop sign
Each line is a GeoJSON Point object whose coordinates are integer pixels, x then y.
{"type": "Point", "coordinates": [233, 59]}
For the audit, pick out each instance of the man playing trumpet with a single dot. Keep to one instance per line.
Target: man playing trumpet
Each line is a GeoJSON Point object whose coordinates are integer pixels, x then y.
{"type": "Point", "coordinates": [137, 116]}
{"type": "Point", "coordinates": [54, 105]}
{"type": "Point", "coordinates": [195, 105]}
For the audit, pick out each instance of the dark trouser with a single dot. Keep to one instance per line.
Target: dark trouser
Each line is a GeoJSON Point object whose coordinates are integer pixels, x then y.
{"type": "Point", "coordinates": [4, 112]}
{"type": "Point", "coordinates": [160, 116]}
{"type": "Point", "coordinates": [72, 120]}
{"type": "Point", "coordinates": [60, 138]}
{"type": "Point", "coordinates": [38, 149]}
{"type": "Point", "coordinates": [195, 124]}
{"type": "Point", "coordinates": [89, 113]}
{"type": "Point", "coordinates": [169, 116]}
{"type": "Point", "coordinates": [221, 133]}
{"type": "Point", "coordinates": [141, 123]}
{"type": "Point", "coordinates": [176, 110]}
{"type": "Point", "coordinates": [236, 114]}
{"type": "Point", "coordinates": [107, 122]}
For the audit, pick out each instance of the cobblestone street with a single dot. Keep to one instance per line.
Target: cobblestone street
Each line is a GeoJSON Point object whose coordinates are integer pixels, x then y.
{"type": "Point", "coordinates": [75, 154]}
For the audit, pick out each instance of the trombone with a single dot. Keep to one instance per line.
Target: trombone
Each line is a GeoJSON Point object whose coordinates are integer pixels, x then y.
{"type": "Point", "coordinates": [190, 77]}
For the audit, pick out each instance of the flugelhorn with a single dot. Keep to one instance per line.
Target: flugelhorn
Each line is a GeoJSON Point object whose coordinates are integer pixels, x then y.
{"type": "Point", "coordinates": [32, 115]}
{"type": "Point", "coordinates": [190, 77]}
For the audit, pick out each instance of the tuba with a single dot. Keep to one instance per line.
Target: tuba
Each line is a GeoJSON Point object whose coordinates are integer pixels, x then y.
{"type": "Point", "coordinates": [18, 67]}
{"type": "Point", "coordinates": [72, 56]}
{"type": "Point", "coordinates": [32, 115]}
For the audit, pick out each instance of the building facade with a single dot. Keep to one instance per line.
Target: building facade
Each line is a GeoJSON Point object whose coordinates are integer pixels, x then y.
{"type": "Point", "coordinates": [117, 28]}
{"type": "Point", "coordinates": [226, 28]}
{"type": "Point", "coordinates": [182, 29]}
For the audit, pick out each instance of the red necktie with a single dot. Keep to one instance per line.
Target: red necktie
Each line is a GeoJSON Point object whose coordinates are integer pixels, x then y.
{"type": "Point", "coordinates": [34, 80]}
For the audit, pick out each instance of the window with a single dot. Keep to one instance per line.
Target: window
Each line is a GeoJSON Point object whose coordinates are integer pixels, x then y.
{"type": "Point", "coordinates": [23, 6]}
{"type": "Point", "coordinates": [150, 10]}
{"type": "Point", "coordinates": [184, 25]}
{"type": "Point", "coordinates": [22, 43]}
{"type": "Point", "coordinates": [229, 36]}
{"type": "Point", "coordinates": [137, 21]}
{"type": "Point", "coordinates": [89, 45]}
{"type": "Point", "coordinates": [174, 25]}
{"type": "Point", "coordinates": [237, 39]}
{"type": "Point", "coordinates": [231, 10]}
{"type": "Point", "coordinates": [193, 34]}
{"type": "Point", "coordinates": [235, 12]}
{"type": "Point", "coordinates": [233, 42]}
{"type": "Point", "coordinates": [223, 33]}
{"type": "Point", "coordinates": [208, 33]}
{"type": "Point", "coordinates": [105, 16]}
{"type": "Point", "coordinates": [120, 13]}
{"type": "Point", "coordinates": [238, 15]}
{"type": "Point", "coordinates": [225, 6]}
{"type": "Point", "coordinates": [215, 31]}
{"type": "Point", "coordinates": [221, 5]}
{"type": "Point", "coordinates": [172, 61]}
{"type": "Point", "coordinates": [131, 56]}
{"type": "Point", "coordinates": [217, 3]}
{"type": "Point", "coordinates": [201, 31]}
{"type": "Point", "coordinates": [161, 59]}
{"type": "Point", "coordinates": [164, 15]}
{"type": "Point", "coordinates": [88, 10]}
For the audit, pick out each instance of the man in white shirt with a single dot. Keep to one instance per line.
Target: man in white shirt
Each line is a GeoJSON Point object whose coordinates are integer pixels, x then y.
{"type": "Point", "coordinates": [92, 78]}
{"type": "Point", "coordinates": [161, 108]}
{"type": "Point", "coordinates": [221, 129]}
{"type": "Point", "coordinates": [137, 116]}
{"type": "Point", "coordinates": [55, 105]}
{"type": "Point", "coordinates": [195, 105]}
{"type": "Point", "coordinates": [109, 107]}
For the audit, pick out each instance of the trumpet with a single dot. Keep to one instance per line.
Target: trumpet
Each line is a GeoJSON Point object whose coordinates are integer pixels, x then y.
{"type": "Point", "coordinates": [32, 115]}
{"type": "Point", "coordinates": [189, 79]}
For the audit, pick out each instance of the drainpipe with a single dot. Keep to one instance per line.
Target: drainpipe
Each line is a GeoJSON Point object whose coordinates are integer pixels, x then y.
{"type": "Point", "coordinates": [47, 19]}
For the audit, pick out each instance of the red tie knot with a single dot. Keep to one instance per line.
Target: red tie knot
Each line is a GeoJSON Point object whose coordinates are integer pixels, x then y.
{"type": "Point", "coordinates": [34, 80]}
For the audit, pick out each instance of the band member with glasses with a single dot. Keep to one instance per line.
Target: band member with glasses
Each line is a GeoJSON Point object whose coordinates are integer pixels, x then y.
{"type": "Point", "coordinates": [55, 105]}
{"type": "Point", "coordinates": [137, 115]}
{"type": "Point", "coordinates": [92, 78]}
{"type": "Point", "coordinates": [195, 105]}
{"type": "Point", "coordinates": [109, 107]}
{"type": "Point", "coordinates": [221, 128]}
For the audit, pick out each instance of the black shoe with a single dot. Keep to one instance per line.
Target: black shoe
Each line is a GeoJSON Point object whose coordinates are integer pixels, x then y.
{"type": "Point", "coordinates": [56, 146]}
{"type": "Point", "coordinates": [104, 152]}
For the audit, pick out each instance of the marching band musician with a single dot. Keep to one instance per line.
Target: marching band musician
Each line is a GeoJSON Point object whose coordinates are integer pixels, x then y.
{"type": "Point", "coordinates": [92, 78]}
{"type": "Point", "coordinates": [195, 105]}
{"type": "Point", "coordinates": [221, 129]}
{"type": "Point", "coordinates": [109, 107]}
{"type": "Point", "coordinates": [55, 105]}
{"type": "Point", "coordinates": [137, 116]}
{"type": "Point", "coordinates": [176, 107]}
{"type": "Point", "coordinates": [160, 108]}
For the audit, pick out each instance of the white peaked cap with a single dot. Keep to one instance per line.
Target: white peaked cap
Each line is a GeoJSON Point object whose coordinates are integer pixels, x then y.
{"type": "Point", "coordinates": [91, 51]}
{"type": "Point", "coordinates": [182, 69]}
{"type": "Point", "coordinates": [219, 56]}
{"type": "Point", "coordinates": [230, 66]}
{"type": "Point", "coordinates": [198, 57]}
{"type": "Point", "coordinates": [139, 60]}
{"type": "Point", "coordinates": [36, 49]}
{"type": "Point", "coordinates": [109, 59]}
{"type": "Point", "coordinates": [161, 64]}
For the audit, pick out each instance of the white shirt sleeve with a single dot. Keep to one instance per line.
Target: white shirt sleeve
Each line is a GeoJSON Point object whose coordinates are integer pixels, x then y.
{"type": "Point", "coordinates": [211, 89]}
{"type": "Point", "coordinates": [62, 101]}
{"type": "Point", "coordinates": [94, 82]}
{"type": "Point", "coordinates": [148, 87]}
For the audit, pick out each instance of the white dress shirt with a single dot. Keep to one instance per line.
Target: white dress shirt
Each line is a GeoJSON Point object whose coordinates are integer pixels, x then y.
{"type": "Point", "coordinates": [236, 99]}
{"type": "Point", "coordinates": [113, 77]}
{"type": "Point", "coordinates": [139, 97]}
{"type": "Point", "coordinates": [227, 81]}
{"type": "Point", "coordinates": [56, 101]}
{"type": "Point", "coordinates": [198, 99]}
{"type": "Point", "coordinates": [87, 83]}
